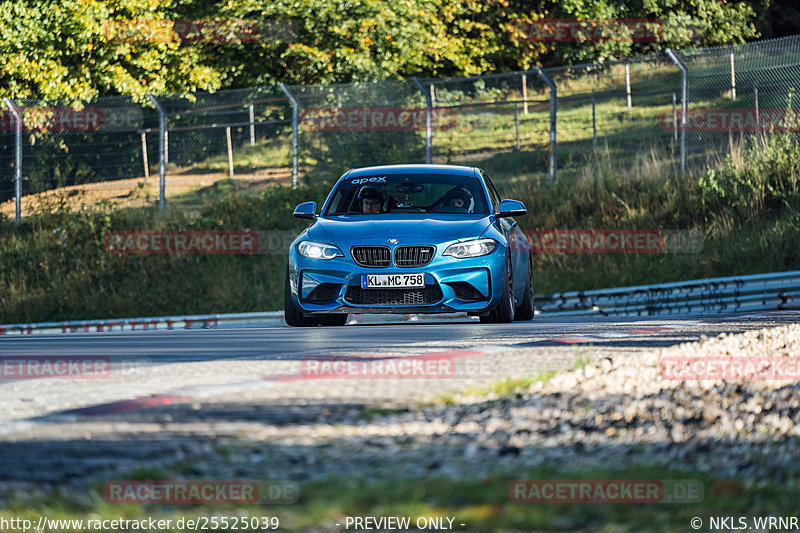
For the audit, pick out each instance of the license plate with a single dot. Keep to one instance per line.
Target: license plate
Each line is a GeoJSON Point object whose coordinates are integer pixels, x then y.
{"type": "Point", "coordinates": [392, 281]}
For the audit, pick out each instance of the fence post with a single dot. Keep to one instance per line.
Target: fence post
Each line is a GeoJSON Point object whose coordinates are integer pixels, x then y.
{"type": "Point", "coordinates": [733, 79]}
{"type": "Point", "coordinates": [594, 125]}
{"type": "Point", "coordinates": [684, 102]}
{"type": "Point", "coordinates": [516, 121]}
{"type": "Point", "coordinates": [17, 159]}
{"type": "Point", "coordinates": [162, 156]}
{"type": "Point", "coordinates": [755, 97]}
{"type": "Point", "coordinates": [230, 151]}
{"type": "Point", "coordinates": [553, 111]}
{"type": "Point", "coordinates": [628, 82]}
{"type": "Point", "coordinates": [295, 127]}
{"type": "Point", "coordinates": [144, 157]}
{"type": "Point", "coordinates": [674, 120]}
{"type": "Point", "coordinates": [428, 119]}
{"type": "Point", "coordinates": [252, 116]}
{"type": "Point", "coordinates": [166, 146]}
{"type": "Point", "coordinates": [525, 93]}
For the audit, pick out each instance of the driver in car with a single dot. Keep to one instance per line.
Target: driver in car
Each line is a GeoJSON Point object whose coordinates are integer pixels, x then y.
{"type": "Point", "coordinates": [459, 198]}
{"type": "Point", "coordinates": [371, 201]}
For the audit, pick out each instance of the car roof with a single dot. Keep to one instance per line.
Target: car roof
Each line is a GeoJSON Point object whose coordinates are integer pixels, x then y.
{"type": "Point", "coordinates": [412, 169]}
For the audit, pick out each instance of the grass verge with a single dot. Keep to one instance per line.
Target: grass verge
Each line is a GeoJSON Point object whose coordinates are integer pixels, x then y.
{"type": "Point", "coordinates": [481, 504]}
{"type": "Point", "coordinates": [54, 267]}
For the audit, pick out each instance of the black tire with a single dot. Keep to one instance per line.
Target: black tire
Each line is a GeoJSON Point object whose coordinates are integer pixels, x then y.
{"type": "Point", "coordinates": [525, 311]}
{"type": "Point", "coordinates": [291, 314]}
{"type": "Point", "coordinates": [504, 312]}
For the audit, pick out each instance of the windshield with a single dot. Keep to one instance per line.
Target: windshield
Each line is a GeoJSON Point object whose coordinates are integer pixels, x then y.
{"type": "Point", "coordinates": [408, 193]}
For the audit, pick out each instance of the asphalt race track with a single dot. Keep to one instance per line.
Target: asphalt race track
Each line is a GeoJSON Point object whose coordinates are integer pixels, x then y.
{"type": "Point", "coordinates": [184, 385]}
{"type": "Point", "coordinates": [285, 343]}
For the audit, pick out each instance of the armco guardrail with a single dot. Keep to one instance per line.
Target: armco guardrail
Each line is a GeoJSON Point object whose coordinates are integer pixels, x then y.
{"type": "Point", "coordinates": [774, 291]}
{"type": "Point", "coordinates": [144, 323]}
{"type": "Point", "coordinates": [760, 292]}
{"type": "Point", "coordinates": [230, 320]}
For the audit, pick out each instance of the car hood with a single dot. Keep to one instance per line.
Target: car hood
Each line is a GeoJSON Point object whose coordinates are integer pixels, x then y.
{"type": "Point", "coordinates": [427, 228]}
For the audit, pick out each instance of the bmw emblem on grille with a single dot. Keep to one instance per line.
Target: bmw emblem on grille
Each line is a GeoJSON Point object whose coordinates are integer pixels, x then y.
{"type": "Point", "coordinates": [392, 241]}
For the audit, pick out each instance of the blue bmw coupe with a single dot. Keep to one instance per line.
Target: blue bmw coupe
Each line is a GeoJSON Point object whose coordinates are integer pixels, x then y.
{"type": "Point", "coordinates": [410, 239]}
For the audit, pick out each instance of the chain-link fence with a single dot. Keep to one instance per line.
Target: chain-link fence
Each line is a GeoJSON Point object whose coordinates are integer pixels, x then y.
{"type": "Point", "coordinates": [238, 134]}
{"type": "Point", "coordinates": [56, 145]}
{"type": "Point", "coordinates": [358, 124]}
{"type": "Point", "coordinates": [738, 91]}
{"type": "Point", "coordinates": [488, 116]}
{"type": "Point", "coordinates": [678, 108]}
{"type": "Point", "coordinates": [616, 109]}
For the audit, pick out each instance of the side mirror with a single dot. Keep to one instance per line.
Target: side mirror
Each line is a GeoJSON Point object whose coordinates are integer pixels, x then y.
{"type": "Point", "coordinates": [306, 210]}
{"type": "Point", "coordinates": [511, 208]}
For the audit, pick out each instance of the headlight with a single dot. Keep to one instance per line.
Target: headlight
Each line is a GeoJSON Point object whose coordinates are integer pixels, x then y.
{"type": "Point", "coordinates": [473, 248]}
{"type": "Point", "coordinates": [318, 250]}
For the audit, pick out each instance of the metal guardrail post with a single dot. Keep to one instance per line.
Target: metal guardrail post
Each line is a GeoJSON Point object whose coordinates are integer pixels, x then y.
{"type": "Point", "coordinates": [17, 159]}
{"type": "Point", "coordinates": [295, 129]}
{"type": "Point", "coordinates": [162, 156]}
{"type": "Point", "coordinates": [684, 102]}
{"type": "Point", "coordinates": [553, 111]}
{"type": "Point", "coordinates": [428, 119]}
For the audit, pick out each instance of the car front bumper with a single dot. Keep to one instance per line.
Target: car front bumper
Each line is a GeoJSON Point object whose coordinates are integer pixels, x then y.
{"type": "Point", "coordinates": [451, 285]}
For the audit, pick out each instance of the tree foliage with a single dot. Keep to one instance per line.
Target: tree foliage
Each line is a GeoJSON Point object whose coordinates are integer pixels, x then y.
{"type": "Point", "coordinates": [64, 49]}
{"type": "Point", "coordinates": [70, 49]}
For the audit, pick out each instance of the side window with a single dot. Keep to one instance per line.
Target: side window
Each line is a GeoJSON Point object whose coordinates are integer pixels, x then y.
{"type": "Point", "coordinates": [492, 192]}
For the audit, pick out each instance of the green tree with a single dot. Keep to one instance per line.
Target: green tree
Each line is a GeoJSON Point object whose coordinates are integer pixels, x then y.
{"type": "Point", "coordinates": [335, 41]}
{"type": "Point", "coordinates": [79, 49]}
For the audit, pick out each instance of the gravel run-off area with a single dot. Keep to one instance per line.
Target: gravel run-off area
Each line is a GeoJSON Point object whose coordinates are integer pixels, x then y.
{"type": "Point", "coordinates": [624, 410]}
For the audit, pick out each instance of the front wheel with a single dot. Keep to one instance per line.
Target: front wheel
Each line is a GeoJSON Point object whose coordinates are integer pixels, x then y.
{"type": "Point", "coordinates": [291, 314]}
{"type": "Point", "coordinates": [525, 311]}
{"type": "Point", "coordinates": [295, 317]}
{"type": "Point", "coordinates": [504, 312]}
